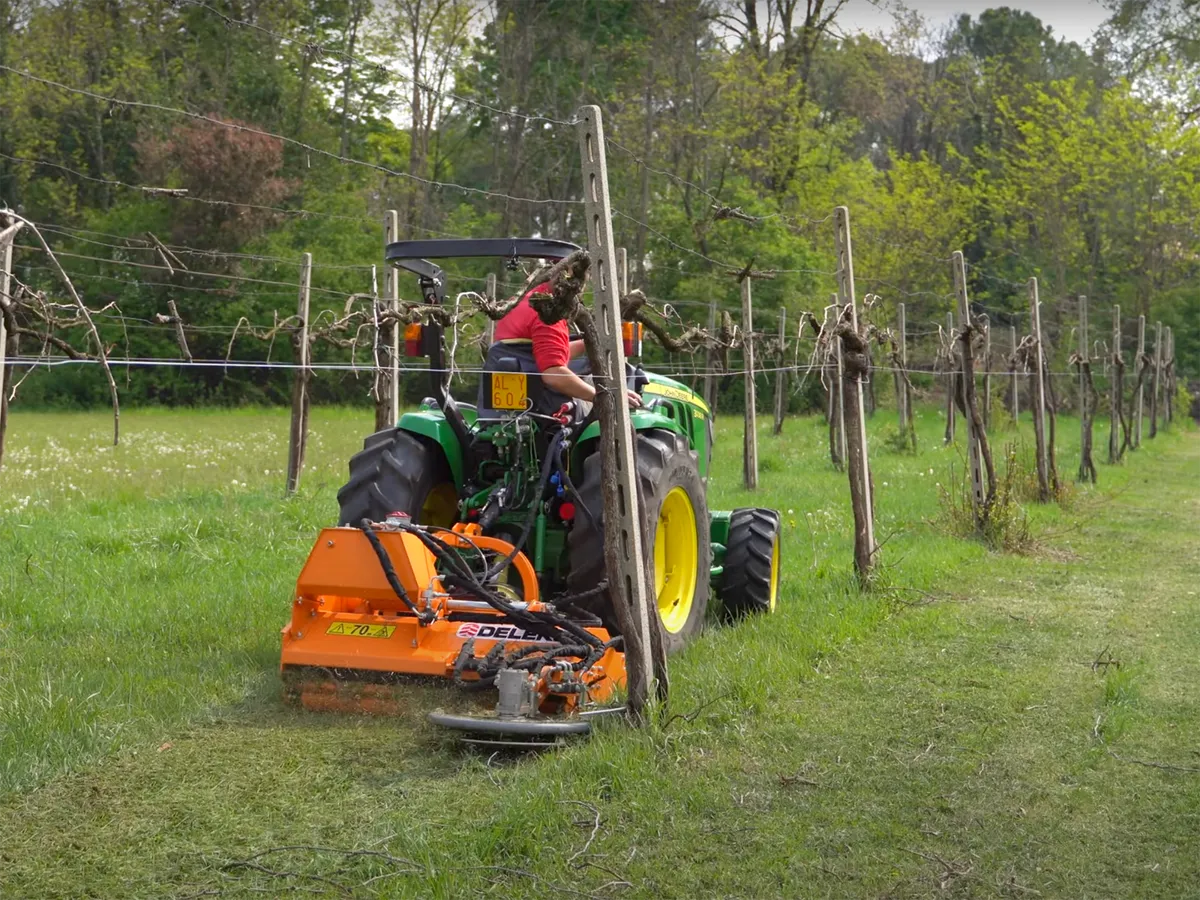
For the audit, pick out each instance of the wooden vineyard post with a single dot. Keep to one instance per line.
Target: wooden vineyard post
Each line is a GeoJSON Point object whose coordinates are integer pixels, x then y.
{"type": "Point", "coordinates": [625, 558]}
{"type": "Point", "coordinates": [951, 380]}
{"type": "Point", "coordinates": [1015, 399]}
{"type": "Point", "coordinates": [1116, 390]}
{"type": "Point", "coordinates": [750, 418]}
{"type": "Point", "coordinates": [298, 436]}
{"type": "Point", "coordinates": [6, 251]}
{"type": "Point", "coordinates": [780, 374]}
{"type": "Point", "coordinates": [1141, 392]}
{"type": "Point", "coordinates": [854, 366]}
{"type": "Point", "coordinates": [968, 380]}
{"type": "Point", "coordinates": [1039, 409]}
{"type": "Point", "coordinates": [710, 394]}
{"type": "Point", "coordinates": [1154, 387]}
{"type": "Point", "coordinates": [489, 330]}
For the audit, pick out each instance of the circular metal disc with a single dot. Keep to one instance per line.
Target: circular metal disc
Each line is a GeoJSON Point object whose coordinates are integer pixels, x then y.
{"type": "Point", "coordinates": [520, 725]}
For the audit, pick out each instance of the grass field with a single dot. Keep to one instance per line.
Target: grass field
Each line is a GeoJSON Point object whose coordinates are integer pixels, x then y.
{"type": "Point", "coordinates": [966, 731]}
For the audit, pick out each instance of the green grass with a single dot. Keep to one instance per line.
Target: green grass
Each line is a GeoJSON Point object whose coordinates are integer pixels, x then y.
{"type": "Point", "coordinates": [950, 733]}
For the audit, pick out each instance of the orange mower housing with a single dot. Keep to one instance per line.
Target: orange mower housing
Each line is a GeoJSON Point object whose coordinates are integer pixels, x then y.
{"type": "Point", "coordinates": [350, 633]}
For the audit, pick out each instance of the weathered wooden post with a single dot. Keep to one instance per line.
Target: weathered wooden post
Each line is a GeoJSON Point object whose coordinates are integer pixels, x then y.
{"type": "Point", "coordinates": [951, 383]}
{"type": "Point", "coordinates": [298, 435]}
{"type": "Point", "coordinates": [1015, 400]}
{"type": "Point", "coordinates": [625, 555]}
{"type": "Point", "coordinates": [1137, 368]}
{"type": "Point", "coordinates": [749, 418]}
{"type": "Point", "coordinates": [489, 329]}
{"type": "Point", "coordinates": [1154, 388]}
{"type": "Point", "coordinates": [968, 378]}
{"type": "Point", "coordinates": [780, 374]}
{"type": "Point", "coordinates": [1039, 410]}
{"type": "Point", "coordinates": [1117, 389]}
{"type": "Point", "coordinates": [854, 362]}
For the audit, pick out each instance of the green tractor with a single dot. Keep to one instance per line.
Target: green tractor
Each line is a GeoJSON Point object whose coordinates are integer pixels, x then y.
{"type": "Point", "coordinates": [527, 470]}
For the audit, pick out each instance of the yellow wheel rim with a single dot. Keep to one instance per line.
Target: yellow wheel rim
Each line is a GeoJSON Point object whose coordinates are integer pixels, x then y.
{"type": "Point", "coordinates": [676, 556]}
{"type": "Point", "coordinates": [774, 575]}
{"type": "Point", "coordinates": [440, 506]}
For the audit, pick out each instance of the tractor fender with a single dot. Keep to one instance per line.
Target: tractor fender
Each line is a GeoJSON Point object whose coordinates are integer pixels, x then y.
{"type": "Point", "coordinates": [643, 420]}
{"type": "Point", "coordinates": [434, 427]}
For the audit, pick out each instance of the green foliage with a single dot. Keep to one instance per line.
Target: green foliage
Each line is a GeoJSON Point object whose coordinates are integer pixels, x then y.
{"type": "Point", "coordinates": [1017, 147]}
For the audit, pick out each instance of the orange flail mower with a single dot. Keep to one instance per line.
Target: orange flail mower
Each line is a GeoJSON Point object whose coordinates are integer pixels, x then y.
{"type": "Point", "coordinates": [395, 599]}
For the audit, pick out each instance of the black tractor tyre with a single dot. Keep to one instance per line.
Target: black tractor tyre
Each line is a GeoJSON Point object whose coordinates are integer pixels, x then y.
{"type": "Point", "coordinates": [664, 461]}
{"type": "Point", "coordinates": [395, 472]}
{"type": "Point", "coordinates": [750, 581]}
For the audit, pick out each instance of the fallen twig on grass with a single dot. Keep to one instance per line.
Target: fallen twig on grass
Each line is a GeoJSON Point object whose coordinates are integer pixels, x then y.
{"type": "Point", "coordinates": [950, 871]}
{"type": "Point", "coordinates": [691, 717]}
{"type": "Point", "coordinates": [595, 827]}
{"type": "Point", "coordinates": [1151, 764]}
{"type": "Point", "coordinates": [1103, 660]}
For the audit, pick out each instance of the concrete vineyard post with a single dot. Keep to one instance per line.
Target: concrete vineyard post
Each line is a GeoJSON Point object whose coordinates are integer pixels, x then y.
{"type": "Point", "coordinates": [1154, 387]}
{"type": "Point", "coordinates": [987, 375]}
{"type": "Point", "coordinates": [1141, 394]}
{"type": "Point", "coordinates": [710, 396]}
{"type": "Point", "coordinates": [1015, 399]}
{"type": "Point", "coordinates": [298, 435]}
{"type": "Point", "coordinates": [780, 374]}
{"type": "Point", "coordinates": [1039, 411]}
{"type": "Point", "coordinates": [749, 419]}
{"type": "Point", "coordinates": [6, 250]}
{"type": "Point", "coordinates": [489, 330]}
{"type": "Point", "coordinates": [1114, 414]}
{"type": "Point", "coordinates": [951, 380]}
{"type": "Point", "coordinates": [626, 559]}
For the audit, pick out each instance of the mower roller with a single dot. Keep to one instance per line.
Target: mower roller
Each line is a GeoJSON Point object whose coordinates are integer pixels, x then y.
{"type": "Point", "coordinates": [470, 541]}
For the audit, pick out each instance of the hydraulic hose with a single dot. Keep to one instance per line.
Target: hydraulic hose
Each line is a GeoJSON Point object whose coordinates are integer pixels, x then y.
{"type": "Point", "coordinates": [389, 572]}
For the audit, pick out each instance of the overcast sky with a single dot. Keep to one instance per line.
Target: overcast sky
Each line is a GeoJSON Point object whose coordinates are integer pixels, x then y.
{"type": "Point", "coordinates": [1074, 20]}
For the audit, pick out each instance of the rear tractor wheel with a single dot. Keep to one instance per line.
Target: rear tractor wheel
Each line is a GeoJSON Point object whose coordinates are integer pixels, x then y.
{"type": "Point", "coordinates": [681, 553]}
{"type": "Point", "coordinates": [750, 582]}
{"type": "Point", "coordinates": [398, 472]}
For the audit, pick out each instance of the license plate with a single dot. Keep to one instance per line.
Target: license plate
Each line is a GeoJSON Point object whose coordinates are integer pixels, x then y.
{"type": "Point", "coordinates": [509, 390]}
{"type": "Point", "coordinates": [352, 629]}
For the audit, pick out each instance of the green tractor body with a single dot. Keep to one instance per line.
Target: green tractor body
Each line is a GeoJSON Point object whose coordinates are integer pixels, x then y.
{"type": "Point", "coordinates": [517, 478]}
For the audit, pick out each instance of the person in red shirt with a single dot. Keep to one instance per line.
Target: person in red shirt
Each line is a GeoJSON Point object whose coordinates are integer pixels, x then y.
{"type": "Point", "coordinates": [553, 349]}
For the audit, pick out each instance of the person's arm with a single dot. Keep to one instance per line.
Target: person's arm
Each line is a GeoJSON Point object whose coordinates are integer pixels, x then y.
{"type": "Point", "coordinates": [577, 348]}
{"type": "Point", "coordinates": [563, 380]}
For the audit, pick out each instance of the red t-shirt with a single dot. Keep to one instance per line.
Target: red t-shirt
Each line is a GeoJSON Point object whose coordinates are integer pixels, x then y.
{"type": "Point", "coordinates": [551, 343]}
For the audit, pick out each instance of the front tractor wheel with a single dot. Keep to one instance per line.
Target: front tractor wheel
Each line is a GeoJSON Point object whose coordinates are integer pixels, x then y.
{"type": "Point", "coordinates": [680, 554]}
{"type": "Point", "coordinates": [398, 472]}
{"type": "Point", "coordinates": [750, 581]}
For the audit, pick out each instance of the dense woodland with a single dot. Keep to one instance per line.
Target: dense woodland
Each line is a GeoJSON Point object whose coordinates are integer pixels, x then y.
{"type": "Point", "coordinates": [735, 129]}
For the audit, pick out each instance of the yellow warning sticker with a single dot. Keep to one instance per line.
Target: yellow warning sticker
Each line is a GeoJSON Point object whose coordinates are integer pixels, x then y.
{"type": "Point", "coordinates": [353, 629]}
